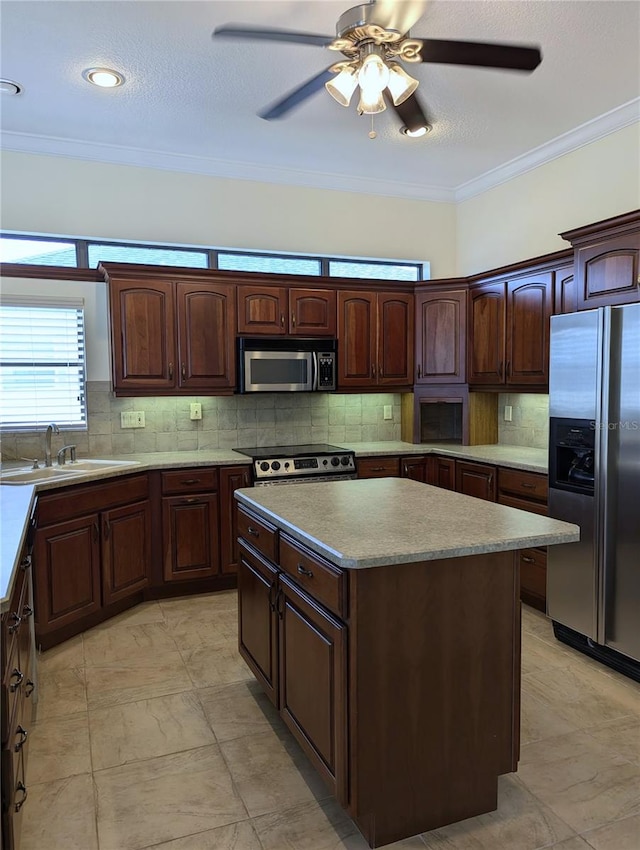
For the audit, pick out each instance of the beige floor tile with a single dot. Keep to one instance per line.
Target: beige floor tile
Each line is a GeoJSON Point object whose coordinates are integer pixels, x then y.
{"type": "Point", "coordinates": [106, 646]}
{"type": "Point", "coordinates": [61, 693]}
{"type": "Point", "coordinates": [238, 709]}
{"type": "Point", "coordinates": [136, 679]}
{"type": "Point", "coordinates": [147, 729]}
{"type": "Point", "coordinates": [65, 656]}
{"type": "Point", "coordinates": [59, 748]}
{"type": "Point", "coordinates": [538, 719]}
{"type": "Point", "coordinates": [540, 654]}
{"type": "Point", "coordinates": [620, 736]}
{"type": "Point", "coordinates": [317, 825]}
{"type": "Point", "coordinates": [236, 836]}
{"type": "Point", "coordinates": [537, 623]}
{"type": "Point", "coordinates": [210, 629]}
{"type": "Point", "coordinates": [620, 835]}
{"type": "Point", "coordinates": [575, 843]}
{"type": "Point", "coordinates": [203, 604]}
{"type": "Point", "coordinates": [581, 780]}
{"type": "Point", "coordinates": [146, 612]}
{"type": "Point", "coordinates": [271, 772]}
{"type": "Point", "coordinates": [521, 822]}
{"type": "Point", "coordinates": [215, 665]}
{"type": "Point", "coordinates": [60, 815]}
{"type": "Point", "coordinates": [148, 802]}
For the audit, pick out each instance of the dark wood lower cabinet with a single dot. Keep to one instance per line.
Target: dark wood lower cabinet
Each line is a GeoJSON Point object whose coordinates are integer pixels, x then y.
{"type": "Point", "coordinates": [190, 536]}
{"type": "Point", "coordinates": [441, 472]}
{"type": "Point", "coordinates": [232, 478]}
{"type": "Point", "coordinates": [126, 551]}
{"type": "Point", "coordinates": [476, 479]}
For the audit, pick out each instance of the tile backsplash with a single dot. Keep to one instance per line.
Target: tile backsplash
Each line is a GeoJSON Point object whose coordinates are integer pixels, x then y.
{"type": "Point", "coordinates": [530, 420]}
{"type": "Point", "coordinates": [263, 419]}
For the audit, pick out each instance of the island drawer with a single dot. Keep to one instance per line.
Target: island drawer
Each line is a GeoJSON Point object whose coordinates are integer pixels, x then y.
{"type": "Point", "coordinates": [322, 580]}
{"type": "Point", "coordinates": [533, 571]}
{"type": "Point", "coordinates": [378, 467]}
{"type": "Point", "coordinates": [189, 481]}
{"type": "Point", "coordinates": [259, 533]}
{"type": "Point", "coordinates": [527, 485]}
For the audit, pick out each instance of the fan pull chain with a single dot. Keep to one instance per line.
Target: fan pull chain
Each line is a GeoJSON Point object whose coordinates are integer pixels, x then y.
{"type": "Point", "coordinates": [372, 132]}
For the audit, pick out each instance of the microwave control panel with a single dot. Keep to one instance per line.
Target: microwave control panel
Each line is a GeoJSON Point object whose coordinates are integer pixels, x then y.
{"type": "Point", "coordinates": [326, 371]}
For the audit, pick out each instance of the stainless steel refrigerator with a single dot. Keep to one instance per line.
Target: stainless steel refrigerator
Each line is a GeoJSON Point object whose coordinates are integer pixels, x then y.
{"type": "Point", "coordinates": [593, 587]}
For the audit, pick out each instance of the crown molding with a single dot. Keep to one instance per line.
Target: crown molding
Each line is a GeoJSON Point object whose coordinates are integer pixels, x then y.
{"type": "Point", "coordinates": [229, 170]}
{"type": "Point", "coordinates": [585, 134]}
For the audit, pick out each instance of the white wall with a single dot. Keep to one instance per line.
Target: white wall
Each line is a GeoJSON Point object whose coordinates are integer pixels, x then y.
{"type": "Point", "coordinates": [521, 218]}
{"type": "Point", "coordinates": [44, 194]}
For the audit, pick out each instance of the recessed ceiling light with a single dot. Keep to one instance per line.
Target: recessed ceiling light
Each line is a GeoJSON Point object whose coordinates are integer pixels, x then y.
{"type": "Point", "coordinates": [103, 77]}
{"type": "Point", "coordinates": [419, 131]}
{"type": "Point", "coordinates": [9, 87]}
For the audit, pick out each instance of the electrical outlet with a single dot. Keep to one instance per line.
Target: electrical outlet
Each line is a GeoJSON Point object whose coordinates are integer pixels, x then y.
{"type": "Point", "coordinates": [132, 419]}
{"type": "Point", "coordinates": [388, 411]}
{"type": "Point", "coordinates": [196, 410]}
{"type": "Point", "coordinates": [508, 413]}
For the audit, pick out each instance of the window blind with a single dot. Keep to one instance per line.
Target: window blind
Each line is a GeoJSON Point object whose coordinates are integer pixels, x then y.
{"type": "Point", "coordinates": [42, 363]}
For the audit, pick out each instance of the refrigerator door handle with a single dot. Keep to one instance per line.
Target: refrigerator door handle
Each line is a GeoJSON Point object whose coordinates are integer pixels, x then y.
{"type": "Point", "coordinates": [601, 474]}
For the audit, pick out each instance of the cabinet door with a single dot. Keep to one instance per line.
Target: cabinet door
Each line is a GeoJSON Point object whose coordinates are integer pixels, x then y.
{"type": "Point", "coordinates": [609, 272]}
{"type": "Point", "coordinates": [190, 536]}
{"type": "Point", "coordinates": [143, 347]}
{"type": "Point", "coordinates": [441, 472]}
{"type": "Point", "coordinates": [67, 572]}
{"type": "Point", "coordinates": [395, 339]}
{"type": "Point", "coordinates": [312, 312]}
{"type": "Point", "coordinates": [257, 620]}
{"type": "Point", "coordinates": [565, 291]}
{"type": "Point", "coordinates": [476, 479]}
{"type": "Point", "coordinates": [441, 336]}
{"type": "Point", "coordinates": [528, 318]}
{"type": "Point", "coordinates": [231, 478]}
{"type": "Point", "coordinates": [126, 551]}
{"type": "Point", "coordinates": [414, 468]}
{"type": "Point", "coordinates": [313, 683]}
{"type": "Point", "coordinates": [357, 339]}
{"type": "Point", "coordinates": [262, 310]}
{"type": "Point", "coordinates": [206, 335]}
{"type": "Point", "coordinates": [486, 334]}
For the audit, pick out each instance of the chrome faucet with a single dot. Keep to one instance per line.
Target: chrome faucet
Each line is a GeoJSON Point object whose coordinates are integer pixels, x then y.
{"type": "Point", "coordinates": [53, 428]}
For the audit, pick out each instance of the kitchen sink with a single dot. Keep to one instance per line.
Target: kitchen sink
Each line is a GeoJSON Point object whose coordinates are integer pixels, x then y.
{"type": "Point", "coordinates": [69, 470]}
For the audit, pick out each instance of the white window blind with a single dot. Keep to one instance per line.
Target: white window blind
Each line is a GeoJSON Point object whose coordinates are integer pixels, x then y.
{"type": "Point", "coordinates": [42, 363]}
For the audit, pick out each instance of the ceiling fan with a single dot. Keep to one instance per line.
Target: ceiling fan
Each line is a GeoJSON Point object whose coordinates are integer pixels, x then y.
{"type": "Point", "coordinates": [374, 39]}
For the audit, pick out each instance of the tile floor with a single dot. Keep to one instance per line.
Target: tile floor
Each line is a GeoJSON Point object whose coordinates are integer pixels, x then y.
{"type": "Point", "coordinates": [151, 732]}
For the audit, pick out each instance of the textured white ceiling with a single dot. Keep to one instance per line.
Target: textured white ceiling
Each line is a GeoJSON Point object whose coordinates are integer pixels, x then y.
{"type": "Point", "coordinates": [191, 101]}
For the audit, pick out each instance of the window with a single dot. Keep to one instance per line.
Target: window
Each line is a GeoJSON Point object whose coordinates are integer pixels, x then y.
{"type": "Point", "coordinates": [272, 264]}
{"type": "Point", "coordinates": [376, 271]}
{"type": "Point", "coordinates": [158, 256]}
{"type": "Point", "coordinates": [40, 252]}
{"type": "Point", "coordinates": [42, 363]}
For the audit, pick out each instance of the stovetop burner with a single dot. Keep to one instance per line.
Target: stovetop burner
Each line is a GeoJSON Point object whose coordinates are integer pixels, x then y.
{"type": "Point", "coordinates": [311, 462]}
{"type": "Point", "coordinates": [290, 451]}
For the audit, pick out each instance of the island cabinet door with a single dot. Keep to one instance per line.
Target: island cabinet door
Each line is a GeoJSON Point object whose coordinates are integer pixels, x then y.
{"type": "Point", "coordinates": [313, 683]}
{"type": "Point", "coordinates": [257, 620]}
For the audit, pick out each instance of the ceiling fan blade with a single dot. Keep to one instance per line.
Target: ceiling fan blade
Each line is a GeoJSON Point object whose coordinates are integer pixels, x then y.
{"type": "Point", "coordinates": [280, 108]}
{"type": "Point", "coordinates": [399, 15]}
{"type": "Point", "coordinates": [266, 34]}
{"type": "Point", "coordinates": [411, 112]}
{"type": "Point", "coordinates": [512, 56]}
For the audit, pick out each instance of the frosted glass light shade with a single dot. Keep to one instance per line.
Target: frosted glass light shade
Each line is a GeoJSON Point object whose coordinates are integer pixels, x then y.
{"type": "Point", "coordinates": [342, 87]}
{"type": "Point", "coordinates": [401, 85]}
{"type": "Point", "coordinates": [373, 76]}
{"type": "Point", "coordinates": [371, 104]}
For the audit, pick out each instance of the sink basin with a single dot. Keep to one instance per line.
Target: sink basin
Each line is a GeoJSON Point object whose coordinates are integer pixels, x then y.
{"type": "Point", "coordinates": [69, 470]}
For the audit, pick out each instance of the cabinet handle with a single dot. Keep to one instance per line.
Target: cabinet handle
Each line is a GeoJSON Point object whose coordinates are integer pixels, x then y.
{"type": "Point", "coordinates": [293, 320]}
{"type": "Point", "coordinates": [15, 625]}
{"type": "Point", "coordinates": [23, 737]}
{"type": "Point", "coordinates": [419, 371]}
{"type": "Point", "coordinates": [377, 469]}
{"type": "Point", "coordinates": [252, 531]}
{"type": "Point", "coordinates": [190, 481]}
{"type": "Point", "coordinates": [527, 559]}
{"type": "Point", "coordinates": [171, 371]}
{"type": "Point", "coordinates": [184, 372]}
{"type": "Point", "coordinates": [19, 676]}
{"type": "Point", "coordinates": [21, 787]}
{"type": "Point", "coordinates": [373, 370]}
{"type": "Point", "coordinates": [527, 485]}
{"type": "Point", "coordinates": [304, 572]}
{"type": "Point", "coordinates": [96, 532]}
{"type": "Point", "coordinates": [29, 688]}
{"type": "Point", "coordinates": [500, 370]}
{"type": "Point", "coordinates": [189, 501]}
{"type": "Point", "coordinates": [508, 371]}
{"type": "Point", "coordinates": [25, 564]}
{"type": "Point", "coordinates": [107, 530]}
{"type": "Point", "coordinates": [27, 612]}
{"type": "Point", "coordinates": [279, 599]}
{"type": "Point", "coordinates": [272, 597]}
{"type": "Point", "coordinates": [282, 320]}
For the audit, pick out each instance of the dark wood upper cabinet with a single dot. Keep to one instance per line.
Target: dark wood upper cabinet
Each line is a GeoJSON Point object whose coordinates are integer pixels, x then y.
{"type": "Point", "coordinates": [312, 312]}
{"type": "Point", "coordinates": [565, 290]}
{"type": "Point", "coordinates": [528, 317]}
{"type": "Point", "coordinates": [375, 339]}
{"type": "Point", "coordinates": [279, 311]}
{"type": "Point", "coordinates": [487, 333]}
{"type": "Point", "coordinates": [441, 337]}
{"type": "Point", "coordinates": [206, 335]}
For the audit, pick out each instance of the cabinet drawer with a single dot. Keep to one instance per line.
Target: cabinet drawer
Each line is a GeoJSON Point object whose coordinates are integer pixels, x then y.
{"type": "Point", "coordinates": [522, 504]}
{"type": "Point", "coordinates": [189, 481]}
{"type": "Point", "coordinates": [258, 533]}
{"type": "Point", "coordinates": [378, 467]}
{"type": "Point", "coordinates": [320, 579]}
{"type": "Point", "coordinates": [533, 571]}
{"type": "Point", "coordinates": [78, 500]}
{"type": "Point", "coordinates": [528, 485]}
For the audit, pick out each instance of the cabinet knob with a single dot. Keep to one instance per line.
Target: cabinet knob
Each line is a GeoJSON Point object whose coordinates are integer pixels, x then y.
{"type": "Point", "coordinates": [18, 675]}
{"type": "Point", "coordinates": [23, 737]}
{"type": "Point", "coordinates": [16, 619]}
{"type": "Point", "coordinates": [23, 789]}
{"type": "Point", "coordinates": [252, 531]}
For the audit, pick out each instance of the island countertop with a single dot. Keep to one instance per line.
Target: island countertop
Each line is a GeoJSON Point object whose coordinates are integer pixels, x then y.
{"type": "Point", "coordinates": [385, 521]}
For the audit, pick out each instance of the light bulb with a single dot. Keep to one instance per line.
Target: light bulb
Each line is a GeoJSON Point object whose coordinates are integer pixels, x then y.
{"type": "Point", "coordinates": [400, 84]}
{"type": "Point", "coordinates": [103, 77]}
{"type": "Point", "coordinates": [342, 87]}
{"type": "Point", "coordinates": [373, 76]}
{"type": "Point", "coordinates": [371, 104]}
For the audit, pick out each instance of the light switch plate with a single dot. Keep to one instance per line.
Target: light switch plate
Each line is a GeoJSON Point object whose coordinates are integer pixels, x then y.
{"type": "Point", "coordinates": [388, 412]}
{"type": "Point", "coordinates": [132, 419]}
{"type": "Point", "coordinates": [196, 410]}
{"type": "Point", "coordinates": [508, 413]}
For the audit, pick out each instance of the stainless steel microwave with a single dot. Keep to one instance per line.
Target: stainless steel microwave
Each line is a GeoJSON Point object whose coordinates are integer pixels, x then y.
{"type": "Point", "coordinates": [275, 365]}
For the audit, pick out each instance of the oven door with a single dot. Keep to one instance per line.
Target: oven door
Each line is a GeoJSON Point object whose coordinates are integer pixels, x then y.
{"type": "Point", "coordinates": [278, 371]}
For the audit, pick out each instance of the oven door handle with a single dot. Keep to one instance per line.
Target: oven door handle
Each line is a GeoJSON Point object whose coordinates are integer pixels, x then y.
{"type": "Point", "coordinates": [314, 354]}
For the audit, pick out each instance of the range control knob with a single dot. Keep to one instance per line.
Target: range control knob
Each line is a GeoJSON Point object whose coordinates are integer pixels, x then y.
{"type": "Point", "coordinates": [264, 466]}
{"type": "Point", "coordinates": [325, 462]}
{"type": "Point", "coordinates": [345, 460]}
{"type": "Point", "coordinates": [335, 461]}
{"type": "Point", "coordinates": [275, 465]}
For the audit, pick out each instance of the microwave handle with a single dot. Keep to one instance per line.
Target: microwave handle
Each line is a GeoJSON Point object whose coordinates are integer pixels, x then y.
{"type": "Point", "coordinates": [316, 376]}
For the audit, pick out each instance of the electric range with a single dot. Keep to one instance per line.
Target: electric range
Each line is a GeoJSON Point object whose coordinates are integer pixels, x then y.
{"type": "Point", "coordinates": [299, 464]}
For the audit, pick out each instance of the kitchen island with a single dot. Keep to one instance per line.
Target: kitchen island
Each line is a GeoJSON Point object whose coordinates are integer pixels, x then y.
{"type": "Point", "coordinates": [382, 619]}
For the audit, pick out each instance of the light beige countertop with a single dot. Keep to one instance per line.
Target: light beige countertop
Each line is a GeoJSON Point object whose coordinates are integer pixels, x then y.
{"type": "Point", "coordinates": [385, 521]}
{"type": "Point", "coordinates": [16, 504]}
{"type": "Point", "coordinates": [516, 457]}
